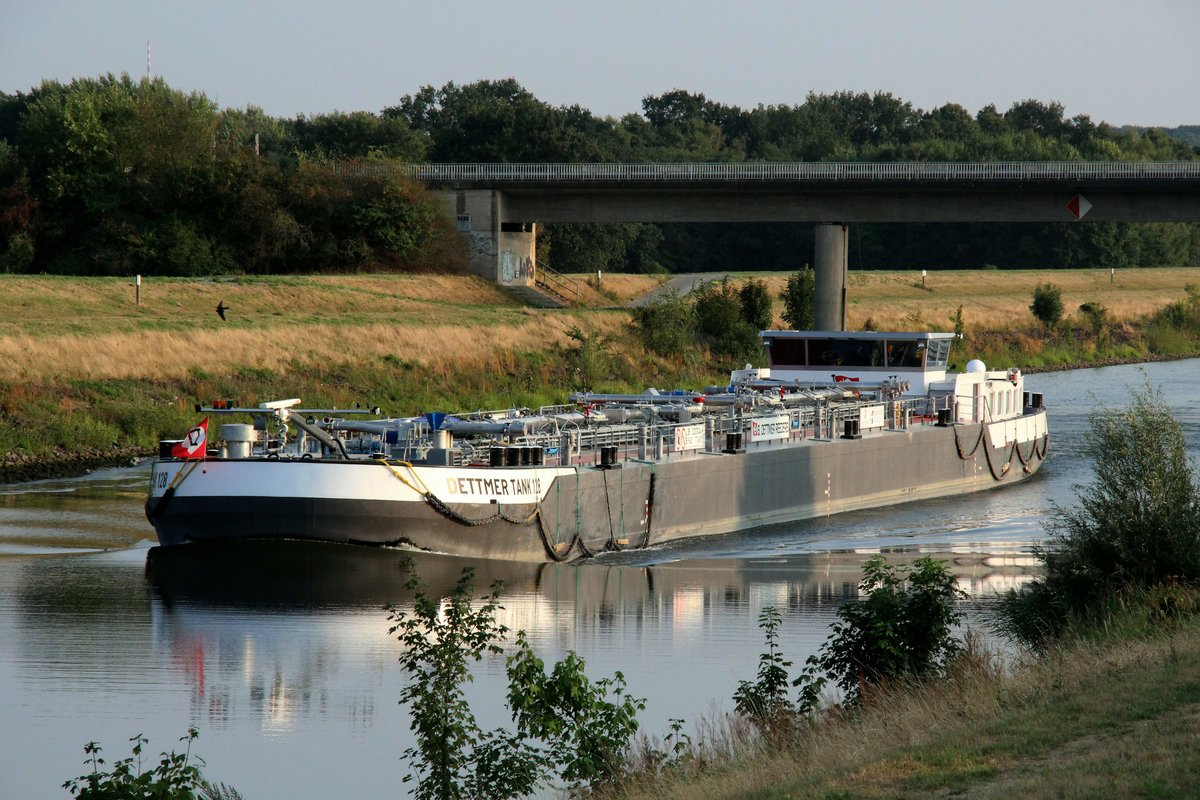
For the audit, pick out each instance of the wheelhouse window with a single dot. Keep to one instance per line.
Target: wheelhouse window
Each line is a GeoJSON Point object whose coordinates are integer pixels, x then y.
{"type": "Point", "coordinates": [910, 355]}
{"type": "Point", "coordinates": [939, 352]}
{"type": "Point", "coordinates": [845, 353]}
{"type": "Point", "coordinates": [857, 353]}
{"type": "Point", "coordinates": [787, 352]}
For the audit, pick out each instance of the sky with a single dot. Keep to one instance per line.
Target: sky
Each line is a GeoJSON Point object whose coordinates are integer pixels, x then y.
{"type": "Point", "coordinates": [1122, 62]}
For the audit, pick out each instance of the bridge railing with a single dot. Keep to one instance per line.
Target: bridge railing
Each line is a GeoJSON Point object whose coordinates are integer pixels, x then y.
{"type": "Point", "coordinates": [833, 172]}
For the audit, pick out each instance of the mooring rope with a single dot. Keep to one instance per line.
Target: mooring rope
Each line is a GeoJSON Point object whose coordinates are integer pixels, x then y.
{"type": "Point", "coordinates": [1014, 449]}
{"type": "Point", "coordinates": [438, 505]}
{"type": "Point", "coordinates": [553, 550]}
{"type": "Point", "coordinates": [169, 494]}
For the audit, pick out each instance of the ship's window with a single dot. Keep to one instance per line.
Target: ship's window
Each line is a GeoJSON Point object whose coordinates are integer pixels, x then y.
{"type": "Point", "coordinates": [822, 353]}
{"type": "Point", "coordinates": [905, 354]}
{"type": "Point", "coordinates": [939, 352]}
{"type": "Point", "coordinates": [845, 353]}
{"type": "Point", "coordinates": [786, 352]}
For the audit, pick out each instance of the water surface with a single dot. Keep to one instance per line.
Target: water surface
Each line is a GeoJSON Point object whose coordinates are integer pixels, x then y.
{"type": "Point", "coordinates": [280, 655]}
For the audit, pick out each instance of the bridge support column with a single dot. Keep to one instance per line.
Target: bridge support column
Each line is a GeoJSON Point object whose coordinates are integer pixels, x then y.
{"type": "Point", "coordinates": [830, 268]}
{"type": "Point", "coordinates": [503, 252]}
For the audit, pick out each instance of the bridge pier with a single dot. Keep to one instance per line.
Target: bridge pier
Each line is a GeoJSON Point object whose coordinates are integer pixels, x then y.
{"type": "Point", "coordinates": [830, 266]}
{"type": "Point", "coordinates": [502, 252]}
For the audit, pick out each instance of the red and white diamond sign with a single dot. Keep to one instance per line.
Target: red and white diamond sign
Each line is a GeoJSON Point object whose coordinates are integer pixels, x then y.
{"type": "Point", "coordinates": [1079, 206]}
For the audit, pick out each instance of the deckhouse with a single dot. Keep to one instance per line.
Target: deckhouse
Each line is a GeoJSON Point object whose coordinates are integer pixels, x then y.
{"type": "Point", "coordinates": [916, 361]}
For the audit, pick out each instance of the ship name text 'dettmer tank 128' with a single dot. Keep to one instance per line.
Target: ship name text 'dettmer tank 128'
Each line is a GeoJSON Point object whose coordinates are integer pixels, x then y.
{"type": "Point", "coordinates": [839, 421]}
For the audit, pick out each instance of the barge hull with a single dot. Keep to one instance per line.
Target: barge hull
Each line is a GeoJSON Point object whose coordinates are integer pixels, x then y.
{"type": "Point", "coordinates": [577, 511]}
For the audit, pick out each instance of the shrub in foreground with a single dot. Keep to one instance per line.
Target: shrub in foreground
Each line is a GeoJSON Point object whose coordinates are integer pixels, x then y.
{"type": "Point", "coordinates": [175, 777]}
{"type": "Point", "coordinates": [902, 629]}
{"type": "Point", "coordinates": [566, 725]}
{"type": "Point", "coordinates": [1136, 525]}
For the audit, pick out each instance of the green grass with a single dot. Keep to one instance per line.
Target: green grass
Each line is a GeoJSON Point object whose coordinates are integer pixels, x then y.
{"type": "Point", "coordinates": [1116, 713]}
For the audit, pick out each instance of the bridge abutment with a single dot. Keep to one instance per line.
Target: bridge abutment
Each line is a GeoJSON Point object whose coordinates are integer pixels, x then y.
{"type": "Point", "coordinates": [830, 267]}
{"type": "Point", "coordinates": [499, 251]}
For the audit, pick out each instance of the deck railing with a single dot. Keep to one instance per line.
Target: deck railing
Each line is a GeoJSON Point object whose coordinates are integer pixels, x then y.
{"type": "Point", "coordinates": [833, 172]}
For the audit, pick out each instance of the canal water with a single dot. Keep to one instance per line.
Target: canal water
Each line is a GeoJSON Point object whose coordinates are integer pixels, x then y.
{"type": "Point", "coordinates": [280, 655]}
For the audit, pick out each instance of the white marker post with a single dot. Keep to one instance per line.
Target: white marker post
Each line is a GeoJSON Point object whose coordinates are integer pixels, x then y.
{"type": "Point", "coordinates": [138, 291]}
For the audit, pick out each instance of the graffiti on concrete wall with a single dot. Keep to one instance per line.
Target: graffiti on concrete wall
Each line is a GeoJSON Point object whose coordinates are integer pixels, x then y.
{"type": "Point", "coordinates": [515, 269]}
{"type": "Point", "coordinates": [481, 245]}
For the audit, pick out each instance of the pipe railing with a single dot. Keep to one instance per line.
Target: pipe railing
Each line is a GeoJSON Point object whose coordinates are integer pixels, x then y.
{"type": "Point", "coordinates": [820, 172]}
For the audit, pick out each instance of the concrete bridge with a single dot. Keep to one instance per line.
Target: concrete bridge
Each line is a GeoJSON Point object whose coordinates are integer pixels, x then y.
{"type": "Point", "coordinates": [498, 206]}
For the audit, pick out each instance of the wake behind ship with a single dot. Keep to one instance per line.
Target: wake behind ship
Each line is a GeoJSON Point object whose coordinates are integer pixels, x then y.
{"type": "Point", "coordinates": [839, 421]}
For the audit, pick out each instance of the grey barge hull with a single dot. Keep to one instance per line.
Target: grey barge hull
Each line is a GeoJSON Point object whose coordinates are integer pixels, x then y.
{"type": "Point", "coordinates": [587, 509]}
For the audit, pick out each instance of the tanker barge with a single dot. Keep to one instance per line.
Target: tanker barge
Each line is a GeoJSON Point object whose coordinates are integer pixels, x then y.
{"type": "Point", "coordinates": [839, 421]}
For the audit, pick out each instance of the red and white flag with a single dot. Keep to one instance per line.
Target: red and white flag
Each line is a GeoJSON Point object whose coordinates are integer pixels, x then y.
{"type": "Point", "coordinates": [193, 444]}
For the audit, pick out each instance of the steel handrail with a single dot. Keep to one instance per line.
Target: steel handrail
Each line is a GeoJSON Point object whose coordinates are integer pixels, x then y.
{"type": "Point", "coordinates": [832, 171]}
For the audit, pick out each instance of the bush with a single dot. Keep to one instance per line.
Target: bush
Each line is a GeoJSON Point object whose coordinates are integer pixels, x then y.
{"type": "Point", "coordinates": [565, 723]}
{"type": "Point", "coordinates": [756, 304]}
{"type": "Point", "coordinates": [175, 777]}
{"type": "Point", "coordinates": [1097, 318]}
{"type": "Point", "coordinates": [799, 299]}
{"type": "Point", "coordinates": [592, 361]}
{"type": "Point", "coordinates": [1137, 523]}
{"type": "Point", "coordinates": [765, 702]}
{"type": "Point", "coordinates": [1047, 304]}
{"type": "Point", "coordinates": [901, 630]}
{"type": "Point", "coordinates": [666, 327]}
{"type": "Point", "coordinates": [720, 318]}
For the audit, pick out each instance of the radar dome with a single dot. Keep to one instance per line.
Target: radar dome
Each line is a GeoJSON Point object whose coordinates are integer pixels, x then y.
{"type": "Point", "coordinates": [975, 365]}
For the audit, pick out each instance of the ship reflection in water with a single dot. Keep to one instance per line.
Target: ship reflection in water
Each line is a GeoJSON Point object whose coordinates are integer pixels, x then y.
{"type": "Point", "coordinates": [266, 630]}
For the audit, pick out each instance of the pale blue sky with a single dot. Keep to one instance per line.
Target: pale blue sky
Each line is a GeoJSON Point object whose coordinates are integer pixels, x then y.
{"type": "Point", "coordinates": [1121, 61]}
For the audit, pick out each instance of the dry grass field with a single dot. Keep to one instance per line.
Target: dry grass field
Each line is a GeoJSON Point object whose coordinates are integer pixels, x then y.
{"type": "Point", "coordinates": [91, 328]}
{"type": "Point", "coordinates": [999, 298]}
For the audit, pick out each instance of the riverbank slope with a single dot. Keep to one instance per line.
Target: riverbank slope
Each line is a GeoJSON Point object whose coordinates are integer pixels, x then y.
{"type": "Point", "coordinates": [1117, 715]}
{"type": "Point", "coordinates": [90, 377]}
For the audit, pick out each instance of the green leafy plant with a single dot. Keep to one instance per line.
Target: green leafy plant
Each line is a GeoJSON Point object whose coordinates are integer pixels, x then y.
{"type": "Point", "coordinates": [719, 311]}
{"type": "Point", "coordinates": [1097, 318]}
{"type": "Point", "coordinates": [453, 757]}
{"type": "Point", "coordinates": [566, 725]}
{"type": "Point", "coordinates": [765, 701]}
{"type": "Point", "coordinates": [756, 304]}
{"type": "Point", "coordinates": [1047, 305]}
{"type": "Point", "coordinates": [175, 777]}
{"type": "Point", "coordinates": [799, 299]}
{"type": "Point", "coordinates": [666, 327]}
{"type": "Point", "coordinates": [1136, 525]}
{"type": "Point", "coordinates": [585, 727]}
{"type": "Point", "coordinates": [592, 360]}
{"type": "Point", "coordinates": [903, 629]}
{"type": "Point", "coordinates": [956, 319]}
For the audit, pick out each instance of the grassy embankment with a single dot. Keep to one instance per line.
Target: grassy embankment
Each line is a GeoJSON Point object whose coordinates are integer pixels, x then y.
{"type": "Point", "coordinates": [88, 377]}
{"type": "Point", "coordinates": [1116, 714]}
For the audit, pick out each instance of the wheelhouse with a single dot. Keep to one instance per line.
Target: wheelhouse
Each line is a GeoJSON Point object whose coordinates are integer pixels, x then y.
{"type": "Point", "coordinates": [866, 356]}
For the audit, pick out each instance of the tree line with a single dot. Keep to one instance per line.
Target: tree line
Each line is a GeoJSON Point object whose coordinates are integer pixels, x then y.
{"type": "Point", "coordinates": [114, 175]}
